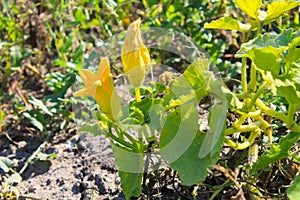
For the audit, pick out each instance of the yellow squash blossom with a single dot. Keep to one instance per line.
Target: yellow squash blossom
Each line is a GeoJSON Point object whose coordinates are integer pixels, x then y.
{"type": "Point", "coordinates": [135, 55]}
{"type": "Point", "coordinates": [100, 86]}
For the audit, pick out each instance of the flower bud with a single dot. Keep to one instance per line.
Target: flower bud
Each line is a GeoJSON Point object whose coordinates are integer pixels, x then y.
{"type": "Point", "coordinates": [135, 55]}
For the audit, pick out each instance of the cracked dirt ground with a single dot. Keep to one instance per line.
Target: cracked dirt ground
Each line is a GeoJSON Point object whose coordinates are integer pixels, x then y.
{"type": "Point", "coordinates": [85, 172]}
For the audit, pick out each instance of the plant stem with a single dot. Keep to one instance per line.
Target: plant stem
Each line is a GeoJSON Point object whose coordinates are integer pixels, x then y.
{"type": "Point", "coordinates": [244, 128]}
{"type": "Point", "coordinates": [246, 144]}
{"type": "Point", "coordinates": [137, 94]}
{"type": "Point", "coordinates": [244, 74]}
{"type": "Point", "coordinates": [30, 159]}
{"type": "Point", "coordinates": [119, 140]}
{"type": "Point", "coordinates": [291, 113]}
{"type": "Point", "coordinates": [270, 112]}
{"type": "Point", "coordinates": [257, 94]}
{"type": "Point", "coordinates": [252, 83]}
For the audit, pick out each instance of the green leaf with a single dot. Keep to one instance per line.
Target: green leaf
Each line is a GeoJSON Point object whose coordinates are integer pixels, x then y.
{"type": "Point", "coordinates": [198, 77]}
{"type": "Point", "coordinates": [294, 190]}
{"type": "Point", "coordinates": [34, 121]}
{"type": "Point", "coordinates": [269, 39]}
{"type": "Point", "coordinates": [140, 110]}
{"type": "Point", "coordinates": [181, 141]}
{"type": "Point", "coordinates": [6, 164]}
{"type": "Point", "coordinates": [193, 169]}
{"type": "Point", "coordinates": [277, 151]}
{"type": "Point", "coordinates": [266, 58]}
{"type": "Point", "coordinates": [287, 89]}
{"type": "Point", "coordinates": [41, 105]}
{"type": "Point", "coordinates": [250, 7]}
{"type": "Point", "coordinates": [80, 16]}
{"type": "Point", "coordinates": [178, 132]}
{"type": "Point", "coordinates": [293, 51]}
{"type": "Point", "coordinates": [277, 8]}
{"type": "Point", "coordinates": [228, 23]}
{"type": "Point", "coordinates": [91, 128]}
{"type": "Point", "coordinates": [130, 166]}
{"type": "Point", "coordinates": [214, 137]}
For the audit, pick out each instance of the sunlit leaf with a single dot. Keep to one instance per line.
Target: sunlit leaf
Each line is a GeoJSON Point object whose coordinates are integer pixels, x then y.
{"type": "Point", "coordinates": [228, 23]}
{"type": "Point", "coordinates": [287, 89]}
{"type": "Point", "coordinates": [277, 8]}
{"type": "Point", "coordinates": [250, 7]}
{"type": "Point", "coordinates": [15, 178]}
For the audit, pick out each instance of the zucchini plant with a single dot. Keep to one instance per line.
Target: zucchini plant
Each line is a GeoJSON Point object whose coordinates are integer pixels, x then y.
{"type": "Point", "coordinates": [163, 119]}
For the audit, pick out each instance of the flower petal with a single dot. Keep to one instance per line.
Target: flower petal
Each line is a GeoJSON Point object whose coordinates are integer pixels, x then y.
{"type": "Point", "coordinates": [88, 77]}
{"type": "Point", "coordinates": [85, 92]}
{"type": "Point", "coordinates": [103, 69]}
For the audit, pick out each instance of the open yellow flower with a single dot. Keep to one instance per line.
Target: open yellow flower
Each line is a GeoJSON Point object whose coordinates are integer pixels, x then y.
{"type": "Point", "coordinates": [135, 55]}
{"type": "Point", "coordinates": [100, 86]}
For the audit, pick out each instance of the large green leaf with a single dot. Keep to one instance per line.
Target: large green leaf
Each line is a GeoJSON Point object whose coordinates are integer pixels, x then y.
{"type": "Point", "coordinates": [277, 151]}
{"type": "Point", "coordinates": [214, 137]}
{"type": "Point", "coordinates": [178, 132]}
{"type": "Point", "coordinates": [191, 168]}
{"type": "Point", "coordinates": [181, 144]}
{"type": "Point", "coordinates": [250, 7]}
{"type": "Point", "coordinates": [293, 51]}
{"type": "Point", "coordinates": [269, 39]}
{"type": "Point", "coordinates": [277, 8]}
{"type": "Point", "coordinates": [294, 191]}
{"type": "Point", "coordinates": [266, 58]}
{"type": "Point", "coordinates": [130, 165]}
{"type": "Point", "coordinates": [228, 23]}
{"type": "Point", "coordinates": [268, 51]}
{"type": "Point", "coordinates": [287, 89]}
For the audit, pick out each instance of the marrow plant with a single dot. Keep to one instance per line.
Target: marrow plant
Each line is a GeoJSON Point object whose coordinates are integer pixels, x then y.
{"type": "Point", "coordinates": [172, 109]}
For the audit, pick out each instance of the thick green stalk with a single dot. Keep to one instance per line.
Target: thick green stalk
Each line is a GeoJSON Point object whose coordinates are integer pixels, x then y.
{"type": "Point", "coordinates": [244, 128]}
{"type": "Point", "coordinates": [252, 83]}
{"type": "Point", "coordinates": [244, 74]}
{"type": "Point", "coordinates": [257, 94]}
{"type": "Point", "coordinates": [270, 112]}
{"type": "Point", "coordinates": [255, 133]}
